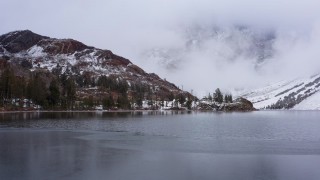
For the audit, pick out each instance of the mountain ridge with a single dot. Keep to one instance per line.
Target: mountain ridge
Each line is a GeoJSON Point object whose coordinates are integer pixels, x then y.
{"type": "Point", "coordinates": [27, 52]}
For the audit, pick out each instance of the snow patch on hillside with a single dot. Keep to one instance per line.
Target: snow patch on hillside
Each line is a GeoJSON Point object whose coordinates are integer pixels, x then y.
{"type": "Point", "coordinates": [311, 103]}
{"type": "Point", "coordinates": [36, 51]}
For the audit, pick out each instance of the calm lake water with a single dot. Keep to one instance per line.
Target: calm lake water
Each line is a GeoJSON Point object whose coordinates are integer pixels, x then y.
{"type": "Point", "coordinates": [266, 145]}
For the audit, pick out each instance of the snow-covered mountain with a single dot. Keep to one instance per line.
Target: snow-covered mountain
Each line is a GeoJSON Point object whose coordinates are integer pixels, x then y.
{"type": "Point", "coordinates": [60, 54]}
{"type": "Point", "coordinates": [300, 94]}
{"type": "Point", "coordinates": [67, 56]}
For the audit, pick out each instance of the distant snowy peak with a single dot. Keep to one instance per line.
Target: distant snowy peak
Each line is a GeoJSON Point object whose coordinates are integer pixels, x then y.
{"type": "Point", "coordinates": [300, 93]}
{"type": "Point", "coordinates": [226, 43]}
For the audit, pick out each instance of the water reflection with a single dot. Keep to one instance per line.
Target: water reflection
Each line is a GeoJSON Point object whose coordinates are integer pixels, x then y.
{"type": "Point", "coordinates": [82, 115]}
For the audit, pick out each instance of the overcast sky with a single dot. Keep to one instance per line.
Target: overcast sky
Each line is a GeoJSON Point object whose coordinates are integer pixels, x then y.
{"type": "Point", "coordinates": [127, 27]}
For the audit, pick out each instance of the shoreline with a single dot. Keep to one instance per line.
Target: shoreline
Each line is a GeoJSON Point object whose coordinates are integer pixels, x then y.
{"type": "Point", "coordinates": [122, 111]}
{"type": "Point", "coordinates": [127, 111]}
{"type": "Point", "coordinates": [40, 111]}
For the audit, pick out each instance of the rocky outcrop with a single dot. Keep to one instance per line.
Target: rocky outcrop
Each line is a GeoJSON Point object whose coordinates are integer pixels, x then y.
{"type": "Point", "coordinates": [239, 105]}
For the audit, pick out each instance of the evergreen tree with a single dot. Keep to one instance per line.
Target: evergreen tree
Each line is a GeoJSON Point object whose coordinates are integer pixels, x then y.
{"type": "Point", "coordinates": [218, 96]}
{"type": "Point", "coordinates": [123, 102]}
{"type": "Point", "coordinates": [70, 91]}
{"type": "Point", "coordinates": [139, 101]}
{"type": "Point", "coordinates": [150, 102]}
{"type": "Point", "coordinates": [189, 104]}
{"type": "Point", "coordinates": [209, 97]}
{"type": "Point", "coordinates": [6, 83]}
{"type": "Point", "coordinates": [181, 99]}
{"type": "Point", "coordinates": [171, 96]}
{"type": "Point", "coordinates": [162, 103]}
{"type": "Point", "coordinates": [86, 80]}
{"type": "Point", "coordinates": [108, 102]}
{"type": "Point", "coordinates": [230, 98]}
{"type": "Point", "coordinates": [19, 87]}
{"type": "Point", "coordinates": [93, 82]}
{"type": "Point", "coordinates": [88, 102]}
{"type": "Point", "coordinates": [54, 96]}
{"type": "Point", "coordinates": [36, 90]}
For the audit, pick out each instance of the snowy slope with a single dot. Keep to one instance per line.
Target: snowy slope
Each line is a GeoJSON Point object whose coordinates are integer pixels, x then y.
{"type": "Point", "coordinates": [311, 103]}
{"type": "Point", "coordinates": [299, 93]}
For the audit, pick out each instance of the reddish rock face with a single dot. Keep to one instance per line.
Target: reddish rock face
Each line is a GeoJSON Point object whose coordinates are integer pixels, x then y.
{"type": "Point", "coordinates": [65, 46]}
{"type": "Point", "coordinates": [108, 58]}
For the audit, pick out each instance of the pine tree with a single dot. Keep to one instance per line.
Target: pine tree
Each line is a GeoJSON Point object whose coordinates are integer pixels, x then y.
{"type": "Point", "coordinates": [189, 104]}
{"type": "Point", "coordinates": [88, 102]}
{"type": "Point", "coordinates": [54, 96]}
{"type": "Point", "coordinates": [218, 96]}
{"type": "Point", "coordinates": [6, 83]}
{"type": "Point", "coordinates": [139, 101]}
{"type": "Point", "coordinates": [123, 102]}
{"type": "Point", "coordinates": [171, 96]}
{"type": "Point", "coordinates": [210, 97]}
{"type": "Point", "coordinates": [230, 98]}
{"type": "Point", "coordinates": [70, 92]}
{"type": "Point", "coordinates": [36, 90]}
{"type": "Point", "coordinates": [108, 102]}
{"type": "Point", "coordinates": [226, 98]}
{"type": "Point", "coordinates": [181, 99]}
{"type": "Point", "coordinates": [19, 87]}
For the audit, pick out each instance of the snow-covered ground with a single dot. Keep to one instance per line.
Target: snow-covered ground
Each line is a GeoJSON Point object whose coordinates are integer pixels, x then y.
{"type": "Point", "coordinates": [311, 103]}
{"type": "Point", "coordinates": [269, 95]}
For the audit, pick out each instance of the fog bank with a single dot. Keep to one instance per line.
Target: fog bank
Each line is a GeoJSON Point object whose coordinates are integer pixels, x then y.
{"type": "Point", "coordinates": [198, 61]}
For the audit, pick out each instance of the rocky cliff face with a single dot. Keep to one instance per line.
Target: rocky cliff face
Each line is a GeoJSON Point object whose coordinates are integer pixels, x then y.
{"type": "Point", "coordinates": [33, 52]}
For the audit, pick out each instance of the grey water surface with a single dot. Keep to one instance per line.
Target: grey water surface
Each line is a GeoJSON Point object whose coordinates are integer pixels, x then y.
{"type": "Point", "coordinates": [265, 145]}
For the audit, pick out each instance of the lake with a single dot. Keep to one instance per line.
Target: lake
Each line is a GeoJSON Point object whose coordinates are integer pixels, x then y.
{"type": "Point", "coordinates": [265, 145]}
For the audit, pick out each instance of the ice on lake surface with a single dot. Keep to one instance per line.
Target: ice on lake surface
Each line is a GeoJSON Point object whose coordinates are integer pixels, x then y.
{"type": "Point", "coordinates": [262, 145]}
